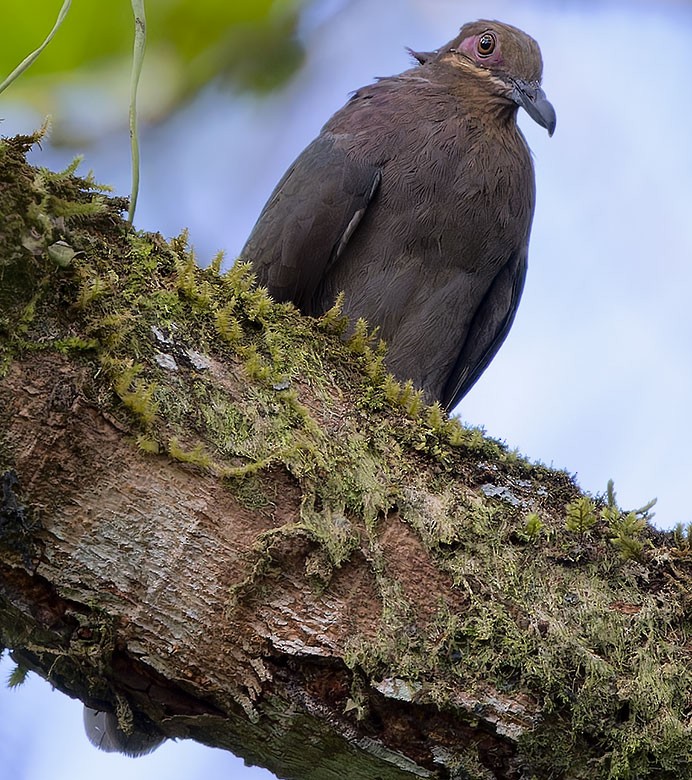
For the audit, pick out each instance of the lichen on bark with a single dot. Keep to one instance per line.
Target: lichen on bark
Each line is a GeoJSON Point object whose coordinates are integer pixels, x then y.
{"type": "Point", "coordinates": [227, 521]}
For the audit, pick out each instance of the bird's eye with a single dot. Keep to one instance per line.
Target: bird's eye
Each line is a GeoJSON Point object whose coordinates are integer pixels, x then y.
{"type": "Point", "coordinates": [486, 44]}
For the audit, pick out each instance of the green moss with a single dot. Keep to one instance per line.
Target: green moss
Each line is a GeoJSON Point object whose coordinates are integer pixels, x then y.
{"type": "Point", "coordinates": [91, 288]}
{"type": "Point", "coordinates": [628, 532]}
{"type": "Point", "coordinates": [256, 366]}
{"type": "Point", "coordinates": [533, 527]}
{"type": "Point", "coordinates": [17, 676]}
{"type": "Point", "coordinates": [249, 490]}
{"type": "Point", "coordinates": [580, 516]}
{"type": "Point", "coordinates": [136, 394]}
{"type": "Point", "coordinates": [682, 536]}
{"type": "Point", "coordinates": [74, 344]}
{"type": "Point", "coordinates": [229, 326]}
{"type": "Point", "coordinates": [435, 419]}
{"type": "Point", "coordinates": [197, 456]}
{"type": "Point", "coordinates": [148, 445]}
{"type": "Point", "coordinates": [334, 321]}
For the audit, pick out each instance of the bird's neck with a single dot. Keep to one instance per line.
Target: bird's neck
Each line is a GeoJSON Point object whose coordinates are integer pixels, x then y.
{"type": "Point", "coordinates": [490, 109]}
{"type": "Point", "coordinates": [481, 94]}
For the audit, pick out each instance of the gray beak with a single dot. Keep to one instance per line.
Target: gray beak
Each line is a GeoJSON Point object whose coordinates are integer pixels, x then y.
{"type": "Point", "coordinates": [532, 98]}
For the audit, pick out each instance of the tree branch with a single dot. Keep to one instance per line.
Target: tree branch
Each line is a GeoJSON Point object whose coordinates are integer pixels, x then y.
{"type": "Point", "coordinates": [225, 521]}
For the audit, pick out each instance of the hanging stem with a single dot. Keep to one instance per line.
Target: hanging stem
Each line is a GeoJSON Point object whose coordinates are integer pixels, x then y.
{"type": "Point", "coordinates": [137, 60]}
{"type": "Point", "coordinates": [34, 54]}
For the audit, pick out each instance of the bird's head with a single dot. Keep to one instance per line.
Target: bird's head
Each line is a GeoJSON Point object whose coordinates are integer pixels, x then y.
{"type": "Point", "coordinates": [507, 59]}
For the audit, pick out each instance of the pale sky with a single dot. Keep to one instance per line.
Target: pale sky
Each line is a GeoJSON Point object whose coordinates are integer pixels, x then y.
{"type": "Point", "coordinates": [596, 375]}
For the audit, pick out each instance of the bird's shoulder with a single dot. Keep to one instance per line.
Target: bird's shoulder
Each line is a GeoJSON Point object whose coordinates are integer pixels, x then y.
{"type": "Point", "coordinates": [408, 94]}
{"type": "Point", "coordinates": [398, 117]}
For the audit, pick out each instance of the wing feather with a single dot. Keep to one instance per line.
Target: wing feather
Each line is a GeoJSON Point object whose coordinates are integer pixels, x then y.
{"type": "Point", "coordinates": [488, 330]}
{"type": "Point", "coordinates": [309, 219]}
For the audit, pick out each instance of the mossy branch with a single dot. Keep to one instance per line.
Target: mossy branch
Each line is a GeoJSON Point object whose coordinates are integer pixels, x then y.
{"type": "Point", "coordinates": [230, 523]}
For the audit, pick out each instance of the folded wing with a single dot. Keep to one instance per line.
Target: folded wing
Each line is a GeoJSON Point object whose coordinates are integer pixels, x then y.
{"type": "Point", "coordinates": [308, 221]}
{"type": "Point", "coordinates": [488, 330]}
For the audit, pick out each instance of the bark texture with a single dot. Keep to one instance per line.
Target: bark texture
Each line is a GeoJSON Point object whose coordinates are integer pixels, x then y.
{"type": "Point", "coordinates": [223, 521]}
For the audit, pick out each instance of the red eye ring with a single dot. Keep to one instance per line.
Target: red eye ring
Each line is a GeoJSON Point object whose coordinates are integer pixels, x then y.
{"type": "Point", "coordinates": [486, 44]}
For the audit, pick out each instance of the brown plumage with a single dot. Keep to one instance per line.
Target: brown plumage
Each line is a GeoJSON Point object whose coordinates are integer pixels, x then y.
{"type": "Point", "coordinates": [416, 200]}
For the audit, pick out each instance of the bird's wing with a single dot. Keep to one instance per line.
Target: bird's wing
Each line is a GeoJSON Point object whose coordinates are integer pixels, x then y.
{"type": "Point", "coordinates": [309, 219]}
{"type": "Point", "coordinates": [488, 330]}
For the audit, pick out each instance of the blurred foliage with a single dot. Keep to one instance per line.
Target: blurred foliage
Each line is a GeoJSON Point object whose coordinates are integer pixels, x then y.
{"type": "Point", "coordinates": [249, 44]}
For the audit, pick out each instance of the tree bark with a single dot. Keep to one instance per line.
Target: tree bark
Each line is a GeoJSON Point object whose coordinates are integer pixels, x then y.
{"type": "Point", "coordinates": [225, 521]}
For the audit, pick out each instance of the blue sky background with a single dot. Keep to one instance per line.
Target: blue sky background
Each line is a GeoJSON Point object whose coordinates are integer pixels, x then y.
{"type": "Point", "coordinates": [595, 376]}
